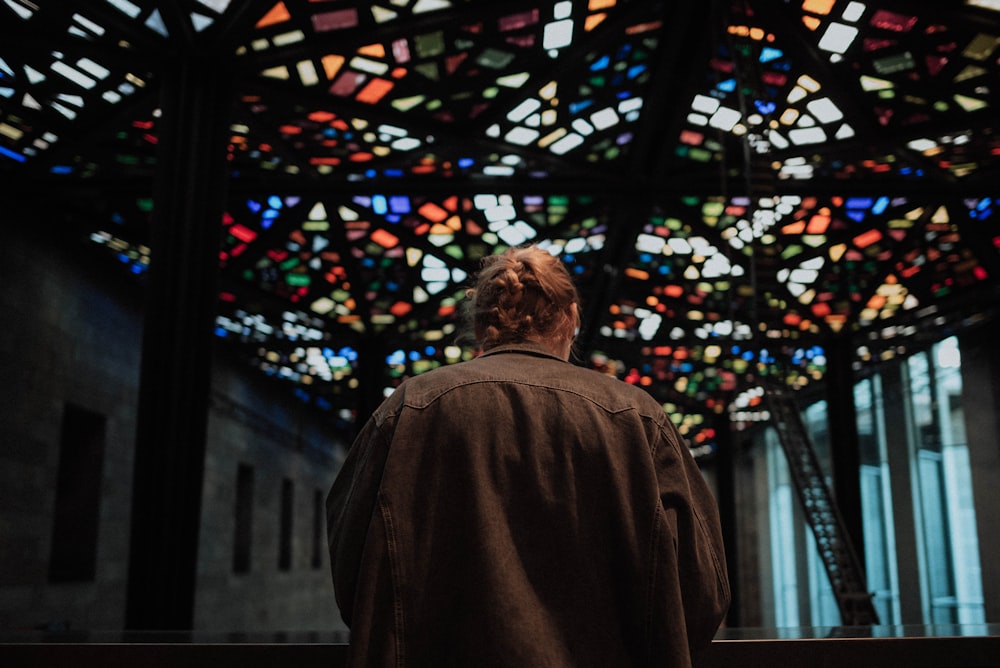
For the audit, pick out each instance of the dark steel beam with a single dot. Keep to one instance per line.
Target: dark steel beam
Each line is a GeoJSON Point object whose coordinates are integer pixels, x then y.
{"type": "Point", "coordinates": [177, 343]}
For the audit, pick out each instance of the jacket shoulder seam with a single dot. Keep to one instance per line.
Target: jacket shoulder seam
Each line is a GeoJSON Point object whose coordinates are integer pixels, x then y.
{"type": "Point", "coordinates": [624, 407]}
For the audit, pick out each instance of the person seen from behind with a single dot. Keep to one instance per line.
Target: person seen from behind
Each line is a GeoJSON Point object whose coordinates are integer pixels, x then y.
{"type": "Point", "coordinates": [518, 510]}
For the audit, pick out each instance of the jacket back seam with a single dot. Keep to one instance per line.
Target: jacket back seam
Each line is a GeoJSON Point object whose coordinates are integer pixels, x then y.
{"type": "Point", "coordinates": [399, 621]}
{"type": "Point", "coordinates": [651, 587]}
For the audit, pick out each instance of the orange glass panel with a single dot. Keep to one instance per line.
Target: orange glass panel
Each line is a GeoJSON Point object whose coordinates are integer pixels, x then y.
{"type": "Point", "coordinates": [332, 64]}
{"type": "Point", "coordinates": [818, 6]}
{"type": "Point", "coordinates": [818, 224]}
{"type": "Point", "coordinates": [375, 90]}
{"type": "Point", "coordinates": [866, 239]}
{"type": "Point", "coordinates": [877, 302]}
{"type": "Point", "coordinates": [399, 309]}
{"type": "Point", "coordinates": [673, 291]}
{"type": "Point", "coordinates": [373, 50]}
{"type": "Point", "coordinates": [384, 238]}
{"type": "Point", "coordinates": [593, 21]}
{"type": "Point", "coordinates": [277, 14]}
{"type": "Point", "coordinates": [432, 212]}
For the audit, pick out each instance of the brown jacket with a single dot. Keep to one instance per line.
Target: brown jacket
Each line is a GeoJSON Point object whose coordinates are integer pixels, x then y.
{"type": "Point", "coordinates": [516, 510]}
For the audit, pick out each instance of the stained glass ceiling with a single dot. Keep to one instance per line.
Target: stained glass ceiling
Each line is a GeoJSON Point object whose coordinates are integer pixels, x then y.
{"type": "Point", "coordinates": [736, 186]}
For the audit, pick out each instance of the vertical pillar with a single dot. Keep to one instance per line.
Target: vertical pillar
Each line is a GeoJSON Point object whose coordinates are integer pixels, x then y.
{"type": "Point", "coordinates": [845, 449]}
{"type": "Point", "coordinates": [725, 463]}
{"type": "Point", "coordinates": [981, 405]}
{"type": "Point", "coordinates": [757, 562]}
{"type": "Point", "coordinates": [904, 519]}
{"type": "Point", "coordinates": [177, 341]}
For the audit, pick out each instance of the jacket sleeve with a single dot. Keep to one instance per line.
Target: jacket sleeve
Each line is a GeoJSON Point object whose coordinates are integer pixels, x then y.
{"type": "Point", "coordinates": [349, 508]}
{"type": "Point", "coordinates": [691, 513]}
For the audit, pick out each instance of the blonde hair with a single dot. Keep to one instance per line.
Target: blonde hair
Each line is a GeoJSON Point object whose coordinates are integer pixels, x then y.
{"type": "Point", "coordinates": [522, 294]}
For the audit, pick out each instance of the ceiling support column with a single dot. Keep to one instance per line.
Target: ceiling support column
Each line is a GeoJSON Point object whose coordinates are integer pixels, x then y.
{"type": "Point", "coordinates": [845, 449]}
{"type": "Point", "coordinates": [981, 408]}
{"type": "Point", "coordinates": [189, 198]}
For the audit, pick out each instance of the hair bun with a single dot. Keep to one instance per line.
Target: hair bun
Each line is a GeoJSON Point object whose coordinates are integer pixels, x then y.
{"type": "Point", "coordinates": [522, 294]}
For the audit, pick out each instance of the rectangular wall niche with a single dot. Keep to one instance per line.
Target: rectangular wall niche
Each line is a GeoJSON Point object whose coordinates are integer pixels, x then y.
{"type": "Point", "coordinates": [78, 496]}
{"type": "Point", "coordinates": [285, 530]}
{"type": "Point", "coordinates": [319, 515]}
{"type": "Point", "coordinates": [243, 519]}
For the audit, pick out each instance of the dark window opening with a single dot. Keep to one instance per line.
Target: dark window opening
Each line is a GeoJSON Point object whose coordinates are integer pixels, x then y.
{"type": "Point", "coordinates": [243, 516]}
{"type": "Point", "coordinates": [318, 517]}
{"type": "Point", "coordinates": [285, 542]}
{"type": "Point", "coordinates": [78, 496]}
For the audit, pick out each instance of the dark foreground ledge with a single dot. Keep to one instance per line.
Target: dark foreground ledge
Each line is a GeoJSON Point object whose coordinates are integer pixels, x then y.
{"type": "Point", "coordinates": [910, 647]}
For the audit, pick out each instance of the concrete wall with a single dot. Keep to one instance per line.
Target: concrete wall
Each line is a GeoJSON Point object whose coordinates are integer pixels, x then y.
{"type": "Point", "coordinates": [283, 444]}
{"type": "Point", "coordinates": [71, 332]}
{"type": "Point", "coordinates": [63, 340]}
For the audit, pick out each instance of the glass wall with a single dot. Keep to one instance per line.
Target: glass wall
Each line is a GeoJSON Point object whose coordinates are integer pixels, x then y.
{"type": "Point", "coordinates": [876, 501]}
{"type": "Point", "coordinates": [948, 547]}
{"type": "Point", "coordinates": [784, 520]}
{"type": "Point", "coordinates": [943, 530]}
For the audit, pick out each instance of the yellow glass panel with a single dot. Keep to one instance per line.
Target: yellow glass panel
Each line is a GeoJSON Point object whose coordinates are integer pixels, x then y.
{"type": "Point", "coordinates": [981, 47]}
{"type": "Point", "coordinates": [280, 72]}
{"type": "Point", "coordinates": [873, 83]}
{"type": "Point", "coordinates": [970, 103]}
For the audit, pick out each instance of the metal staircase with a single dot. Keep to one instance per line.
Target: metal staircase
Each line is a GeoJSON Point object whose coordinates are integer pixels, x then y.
{"type": "Point", "coordinates": [832, 540]}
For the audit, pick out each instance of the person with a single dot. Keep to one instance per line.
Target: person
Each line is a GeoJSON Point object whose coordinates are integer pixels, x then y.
{"type": "Point", "coordinates": [518, 510]}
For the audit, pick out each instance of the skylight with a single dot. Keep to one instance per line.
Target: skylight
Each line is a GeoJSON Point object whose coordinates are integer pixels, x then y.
{"type": "Point", "coordinates": [739, 197]}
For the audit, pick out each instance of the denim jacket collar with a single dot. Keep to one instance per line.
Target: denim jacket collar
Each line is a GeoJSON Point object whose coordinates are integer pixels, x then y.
{"type": "Point", "coordinates": [524, 347]}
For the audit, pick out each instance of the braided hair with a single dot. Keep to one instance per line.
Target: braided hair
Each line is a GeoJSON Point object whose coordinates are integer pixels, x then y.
{"type": "Point", "coordinates": [523, 294]}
